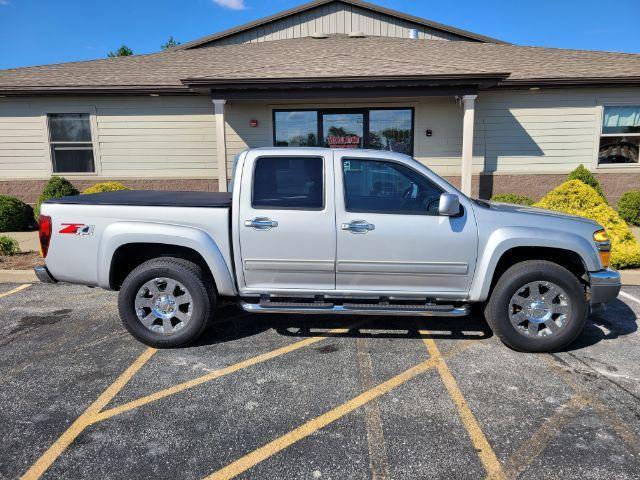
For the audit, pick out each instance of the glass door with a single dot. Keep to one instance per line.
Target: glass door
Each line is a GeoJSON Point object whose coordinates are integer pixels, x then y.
{"type": "Point", "coordinates": [343, 130]}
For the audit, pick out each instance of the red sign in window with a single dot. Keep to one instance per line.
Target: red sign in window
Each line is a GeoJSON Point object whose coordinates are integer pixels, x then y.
{"type": "Point", "coordinates": [352, 141]}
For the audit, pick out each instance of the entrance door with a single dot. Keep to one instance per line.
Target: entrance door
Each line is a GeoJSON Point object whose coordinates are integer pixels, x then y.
{"type": "Point", "coordinates": [390, 236]}
{"type": "Point", "coordinates": [343, 130]}
{"type": "Point", "coordinates": [287, 222]}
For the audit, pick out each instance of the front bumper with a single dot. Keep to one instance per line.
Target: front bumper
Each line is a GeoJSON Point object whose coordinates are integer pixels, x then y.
{"type": "Point", "coordinates": [605, 285]}
{"type": "Point", "coordinates": [43, 275]}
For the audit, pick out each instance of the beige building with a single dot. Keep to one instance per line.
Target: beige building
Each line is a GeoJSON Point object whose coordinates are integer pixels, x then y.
{"type": "Point", "coordinates": [486, 114]}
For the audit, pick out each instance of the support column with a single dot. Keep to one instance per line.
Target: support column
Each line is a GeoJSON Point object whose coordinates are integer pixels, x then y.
{"type": "Point", "coordinates": [468, 102]}
{"type": "Point", "coordinates": [221, 144]}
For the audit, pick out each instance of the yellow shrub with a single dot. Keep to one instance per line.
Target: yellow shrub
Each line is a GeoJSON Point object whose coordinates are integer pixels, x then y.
{"type": "Point", "coordinates": [577, 198]}
{"type": "Point", "coordinates": [105, 187]}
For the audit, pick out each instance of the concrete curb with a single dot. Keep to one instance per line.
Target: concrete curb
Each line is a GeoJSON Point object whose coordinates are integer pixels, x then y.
{"type": "Point", "coordinates": [630, 277]}
{"type": "Point", "coordinates": [18, 276]}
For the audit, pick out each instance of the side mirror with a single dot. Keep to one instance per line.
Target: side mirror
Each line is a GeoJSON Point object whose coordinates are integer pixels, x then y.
{"type": "Point", "coordinates": [449, 205]}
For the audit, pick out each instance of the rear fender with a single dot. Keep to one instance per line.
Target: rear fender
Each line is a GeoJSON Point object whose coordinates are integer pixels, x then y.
{"type": "Point", "coordinates": [122, 233]}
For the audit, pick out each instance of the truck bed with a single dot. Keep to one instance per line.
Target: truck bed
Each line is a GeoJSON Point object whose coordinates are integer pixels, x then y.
{"type": "Point", "coordinates": [150, 198]}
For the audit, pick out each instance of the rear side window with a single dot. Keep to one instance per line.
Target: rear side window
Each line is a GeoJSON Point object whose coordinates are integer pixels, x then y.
{"type": "Point", "coordinates": [288, 182]}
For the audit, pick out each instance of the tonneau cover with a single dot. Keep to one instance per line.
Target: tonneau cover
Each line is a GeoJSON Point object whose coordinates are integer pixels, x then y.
{"type": "Point", "coordinates": [150, 198]}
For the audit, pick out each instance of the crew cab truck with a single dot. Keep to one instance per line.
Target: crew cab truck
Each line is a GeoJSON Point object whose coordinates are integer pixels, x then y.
{"type": "Point", "coordinates": [330, 231]}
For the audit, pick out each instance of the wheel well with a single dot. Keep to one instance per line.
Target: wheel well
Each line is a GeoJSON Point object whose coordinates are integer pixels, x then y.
{"type": "Point", "coordinates": [129, 256]}
{"type": "Point", "coordinates": [565, 258]}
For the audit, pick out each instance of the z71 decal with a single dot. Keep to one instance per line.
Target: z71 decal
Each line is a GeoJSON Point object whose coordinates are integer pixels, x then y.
{"type": "Point", "coordinates": [77, 229]}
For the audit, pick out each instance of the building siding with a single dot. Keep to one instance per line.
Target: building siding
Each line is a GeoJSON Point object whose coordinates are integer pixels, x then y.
{"type": "Point", "coordinates": [134, 137]}
{"type": "Point", "coordinates": [517, 133]}
{"type": "Point", "coordinates": [334, 18]}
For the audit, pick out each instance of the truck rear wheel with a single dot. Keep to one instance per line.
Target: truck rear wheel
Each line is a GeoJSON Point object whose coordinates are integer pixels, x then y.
{"type": "Point", "coordinates": [166, 302]}
{"type": "Point", "coordinates": [537, 306]}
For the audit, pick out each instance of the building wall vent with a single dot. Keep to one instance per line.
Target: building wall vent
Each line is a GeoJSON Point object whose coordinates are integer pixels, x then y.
{"type": "Point", "coordinates": [356, 35]}
{"type": "Point", "coordinates": [319, 35]}
{"type": "Point", "coordinates": [413, 33]}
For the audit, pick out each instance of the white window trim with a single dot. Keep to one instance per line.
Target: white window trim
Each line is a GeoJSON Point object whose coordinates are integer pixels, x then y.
{"type": "Point", "coordinates": [97, 163]}
{"type": "Point", "coordinates": [599, 134]}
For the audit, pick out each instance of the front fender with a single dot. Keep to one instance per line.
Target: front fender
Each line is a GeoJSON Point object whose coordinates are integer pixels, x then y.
{"type": "Point", "coordinates": [504, 239]}
{"type": "Point", "coordinates": [122, 233]}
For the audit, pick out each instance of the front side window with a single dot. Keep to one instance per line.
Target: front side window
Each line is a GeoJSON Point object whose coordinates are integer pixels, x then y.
{"type": "Point", "coordinates": [288, 182]}
{"type": "Point", "coordinates": [620, 139]}
{"type": "Point", "coordinates": [71, 143]}
{"type": "Point", "coordinates": [375, 186]}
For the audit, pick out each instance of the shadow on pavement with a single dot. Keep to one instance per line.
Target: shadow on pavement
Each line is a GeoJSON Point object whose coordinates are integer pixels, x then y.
{"type": "Point", "coordinates": [616, 320]}
{"type": "Point", "coordinates": [242, 326]}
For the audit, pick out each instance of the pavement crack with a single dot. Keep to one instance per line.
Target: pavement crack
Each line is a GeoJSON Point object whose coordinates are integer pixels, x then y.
{"type": "Point", "coordinates": [375, 434]}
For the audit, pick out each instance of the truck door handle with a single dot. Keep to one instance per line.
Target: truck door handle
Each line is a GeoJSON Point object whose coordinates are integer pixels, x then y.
{"type": "Point", "coordinates": [358, 226]}
{"type": "Point", "coordinates": [261, 223]}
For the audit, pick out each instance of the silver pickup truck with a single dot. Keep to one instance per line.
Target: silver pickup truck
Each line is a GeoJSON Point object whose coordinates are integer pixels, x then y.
{"type": "Point", "coordinates": [321, 231]}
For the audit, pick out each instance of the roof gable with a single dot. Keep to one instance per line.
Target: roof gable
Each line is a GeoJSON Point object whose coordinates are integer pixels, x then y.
{"type": "Point", "coordinates": [335, 17]}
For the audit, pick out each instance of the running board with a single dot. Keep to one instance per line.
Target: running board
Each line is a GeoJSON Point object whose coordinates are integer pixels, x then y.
{"type": "Point", "coordinates": [357, 309]}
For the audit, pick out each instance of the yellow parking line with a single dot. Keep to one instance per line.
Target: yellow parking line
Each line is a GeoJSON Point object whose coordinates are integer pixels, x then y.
{"type": "Point", "coordinates": [15, 290]}
{"type": "Point", "coordinates": [214, 375]}
{"type": "Point", "coordinates": [251, 459]}
{"type": "Point", "coordinates": [84, 420]}
{"type": "Point", "coordinates": [485, 452]}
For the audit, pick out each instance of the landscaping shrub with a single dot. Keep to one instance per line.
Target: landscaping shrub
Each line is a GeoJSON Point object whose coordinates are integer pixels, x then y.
{"type": "Point", "coordinates": [56, 187]}
{"type": "Point", "coordinates": [105, 187]}
{"type": "Point", "coordinates": [629, 207]}
{"type": "Point", "coordinates": [512, 198]}
{"type": "Point", "coordinates": [577, 198]}
{"type": "Point", "coordinates": [8, 246]}
{"type": "Point", "coordinates": [15, 215]}
{"type": "Point", "coordinates": [585, 176]}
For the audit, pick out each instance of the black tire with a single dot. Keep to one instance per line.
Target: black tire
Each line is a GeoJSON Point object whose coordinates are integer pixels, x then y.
{"type": "Point", "coordinates": [187, 274]}
{"type": "Point", "coordinates": [511, 282]}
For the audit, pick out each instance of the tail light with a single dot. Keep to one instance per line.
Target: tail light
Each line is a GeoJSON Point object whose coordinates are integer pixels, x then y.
{"type": "Point", "coordinates": [44, 228]}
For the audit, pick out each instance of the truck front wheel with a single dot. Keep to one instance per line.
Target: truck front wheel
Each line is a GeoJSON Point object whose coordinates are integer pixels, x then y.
{"type": "Point", "coordinates": [166, 302]}
{"type": "Point", "coordinates": [537, 306]}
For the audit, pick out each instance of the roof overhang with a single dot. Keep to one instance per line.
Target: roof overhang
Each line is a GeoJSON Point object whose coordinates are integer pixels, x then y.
{"type": "Point", "coordinates": [96, 89]}
{"type": "Point", "coordinates": [346, 87]}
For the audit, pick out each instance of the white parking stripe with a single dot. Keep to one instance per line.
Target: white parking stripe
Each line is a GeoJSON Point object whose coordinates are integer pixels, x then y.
{"type": "Point", "coordinates": [630, 297]}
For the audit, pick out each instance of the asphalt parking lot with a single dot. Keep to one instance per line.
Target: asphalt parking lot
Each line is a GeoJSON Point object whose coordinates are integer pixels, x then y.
{"type": "Point", "coordinates": [320, 398]}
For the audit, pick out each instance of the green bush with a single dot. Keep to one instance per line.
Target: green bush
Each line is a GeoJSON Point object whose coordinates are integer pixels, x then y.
{"type": "Point", "coordinates": [629, 207]}
{"type": "Point", "coordinates": [15, 215]}
{"type": "Point", "coordinates": [585, 176]}
{"type": "Point", "coordinates": [512, 198]}
{"type": "Point", "coordinates": [56, 187]}
{"type": "Point", "coordinates": [105, 187]}
{"type": "Point", "coordinates": [577, 198]}
{"type": "Point", "coordinates": [8, 246]}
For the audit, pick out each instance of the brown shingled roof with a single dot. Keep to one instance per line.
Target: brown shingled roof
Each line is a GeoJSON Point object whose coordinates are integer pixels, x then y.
{"type": "Point", "coordinates": [335, 57]}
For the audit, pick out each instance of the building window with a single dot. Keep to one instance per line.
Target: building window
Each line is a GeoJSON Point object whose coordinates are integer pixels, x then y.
{"type": "Point", "coordinates": [389, 129]}
{"type": "Point", "coordinates": [71, 143]}
{"type": "Point", "coordinates": [376, 186]}
{"type": "Point", "coordinates": [288, 182]}
{"type": "Point", "coordinates": [620, 139]}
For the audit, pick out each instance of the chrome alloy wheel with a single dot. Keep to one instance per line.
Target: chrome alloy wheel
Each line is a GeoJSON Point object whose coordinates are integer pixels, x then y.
{"type": "Point", "coordinates": [163, 305]}
{"type": "Point", "coordinates": [539, 309]}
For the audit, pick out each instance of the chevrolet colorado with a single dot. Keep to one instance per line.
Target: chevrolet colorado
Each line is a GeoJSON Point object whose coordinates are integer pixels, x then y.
{"type": "Point", "coordinates": [323, 231]}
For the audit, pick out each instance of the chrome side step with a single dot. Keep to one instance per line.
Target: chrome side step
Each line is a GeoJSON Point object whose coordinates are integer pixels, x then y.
{"type": "Point", "coordinates": [357, 309]}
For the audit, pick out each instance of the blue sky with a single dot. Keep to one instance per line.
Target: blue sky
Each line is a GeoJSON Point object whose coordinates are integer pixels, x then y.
{"type": "Point", "coordinates": [36, 32]}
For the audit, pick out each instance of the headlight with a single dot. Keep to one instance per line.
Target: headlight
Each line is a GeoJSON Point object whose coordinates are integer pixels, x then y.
{"type": "Point", "coordinates": [604, 246]}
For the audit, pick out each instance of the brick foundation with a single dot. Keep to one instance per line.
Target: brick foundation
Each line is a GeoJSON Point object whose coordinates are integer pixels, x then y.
{"type": "Point", "coordinates": [536, 186]}
{"type": "Point", "coordinates": [484, 186]}
{"type": "Point", "coordinates": [29, 190]}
